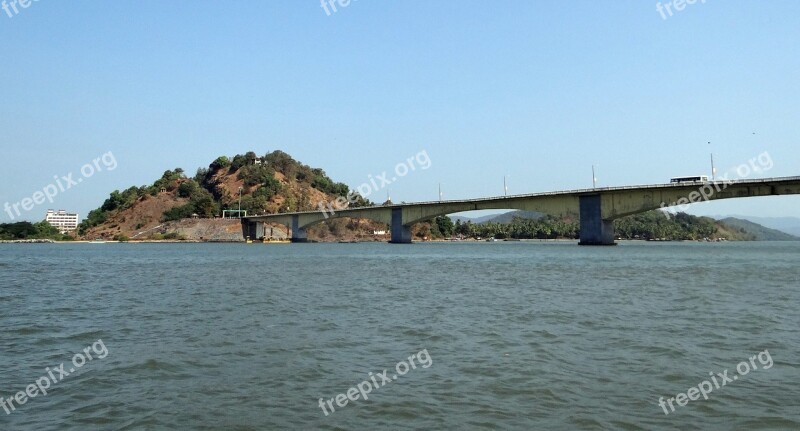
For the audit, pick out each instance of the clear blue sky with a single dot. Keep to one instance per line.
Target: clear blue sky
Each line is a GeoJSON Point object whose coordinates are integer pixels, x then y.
{"type": "Point", "coordinates": [539, 91]}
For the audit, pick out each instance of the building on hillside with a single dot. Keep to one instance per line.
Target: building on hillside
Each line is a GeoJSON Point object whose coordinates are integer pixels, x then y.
{"type": "Point", "coordinates": [62, 220]}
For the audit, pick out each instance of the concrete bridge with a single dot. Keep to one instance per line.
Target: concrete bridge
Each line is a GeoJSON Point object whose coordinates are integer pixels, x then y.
{"type": "Point", "coordinates": [597, 208]}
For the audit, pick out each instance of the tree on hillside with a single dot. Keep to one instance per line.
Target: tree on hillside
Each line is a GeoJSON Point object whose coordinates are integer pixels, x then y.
{"type": "Point", "coordinates": [201, 202]}
{"type": "Point", "coordinates": [281, 162]}
{"type": "Point", "coordinates": [220, 163]}
{"type": "Point", "coordinates": [188, 188]}
{"type": "Point", "coordinates": [238, 162]}
{"type": "Point", "coordinates": [167, 181]}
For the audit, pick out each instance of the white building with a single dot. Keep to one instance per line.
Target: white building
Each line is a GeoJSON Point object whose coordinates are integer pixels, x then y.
{"type": "Point", "coordinates": [64, 221]}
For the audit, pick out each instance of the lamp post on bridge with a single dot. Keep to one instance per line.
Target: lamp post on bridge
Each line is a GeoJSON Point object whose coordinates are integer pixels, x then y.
{"type": "Point", "coordinates": [239, 213]}
{"type": "Point", "coordinates": [713, 169]}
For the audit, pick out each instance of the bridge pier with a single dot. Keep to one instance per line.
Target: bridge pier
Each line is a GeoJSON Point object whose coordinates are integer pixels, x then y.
{"type": "Point", "coordinates": [298, 233]}
{"type": "Point", "coordinates": [401, 234]}
{"type": "Point", "coordinates": [594, 230]}
{"type": "Point", "coordinates": [252, 229]}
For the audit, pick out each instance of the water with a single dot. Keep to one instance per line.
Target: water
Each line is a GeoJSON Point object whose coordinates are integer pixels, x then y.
{"type": "Point", "coordinates": [520, 336]}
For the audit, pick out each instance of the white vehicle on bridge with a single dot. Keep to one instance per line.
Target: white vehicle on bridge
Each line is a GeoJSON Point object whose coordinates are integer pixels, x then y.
{"type": "Point", "coordinates": [694, 179]}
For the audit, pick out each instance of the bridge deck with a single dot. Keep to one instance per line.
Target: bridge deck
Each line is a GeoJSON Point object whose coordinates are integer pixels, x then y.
{"type": "Point", "coordinates": [577, 192]}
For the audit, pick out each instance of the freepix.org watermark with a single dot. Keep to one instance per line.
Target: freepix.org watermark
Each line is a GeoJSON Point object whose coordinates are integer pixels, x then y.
{"type": "Point", "coordinates": [705, 387]}
{"type": "Point", "coordinates": [364, 388]}
{"type": "Point", "coordinates": [421, 160]}
{"type": "Point", "coordinates": [762, 163]}
{"type": "Point", "coordinates": [45, 382]}
{"type": "Point", "coordinates": [677, 5]}
{"type": "Point", "coordinates": [330, 5]}
{"type": "Point", "coordinates": [15, 5]}
{"type": "Point", "coordinates": [62, 184]}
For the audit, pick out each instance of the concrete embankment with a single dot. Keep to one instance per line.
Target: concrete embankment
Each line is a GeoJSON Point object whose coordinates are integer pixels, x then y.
{"type": "Point", "coordinates": [210, 230]}
{"type": "Point", "coordinates": [217, 230]}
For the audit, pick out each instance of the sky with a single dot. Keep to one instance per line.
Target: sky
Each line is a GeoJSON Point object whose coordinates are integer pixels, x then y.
{"type": "Point", "coordinates": [537, 92]}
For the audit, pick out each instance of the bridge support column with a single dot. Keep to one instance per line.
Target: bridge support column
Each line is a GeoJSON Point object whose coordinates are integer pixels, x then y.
{"type": "Point", "coordinates": [298, 233]}
{"type": "Point", "coordinates": [252, 229]}
{"type": "Point", "coordinates": [595, 230]}
{"type": "Point", "coordinates": [401, 234]}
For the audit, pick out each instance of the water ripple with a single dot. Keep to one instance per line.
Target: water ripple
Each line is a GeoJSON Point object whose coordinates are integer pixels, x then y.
{"type": "Point", "coordinates": [522, 335]}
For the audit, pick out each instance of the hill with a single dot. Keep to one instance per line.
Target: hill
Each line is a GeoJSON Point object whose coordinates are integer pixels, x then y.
{"type": "Point", "coordinates": [759, 232]}
{"type": "Point", "coordinates": [259, 185]}
{"type": "Point", "coordinates": [790, 225]}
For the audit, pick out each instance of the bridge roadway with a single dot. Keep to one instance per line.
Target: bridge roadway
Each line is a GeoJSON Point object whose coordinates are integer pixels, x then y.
{"type": "Point", "coordinates": [597, 208]}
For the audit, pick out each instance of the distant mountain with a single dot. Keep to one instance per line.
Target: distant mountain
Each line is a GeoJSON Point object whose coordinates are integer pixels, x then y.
{"type": "Point", "coordinates": [474, 220]}
{"type": "Point", "coordinates": [510, 216]}
{"type": "Point", "coordinates": [790, 225]}
{"type": "Point", "coordinates": [760, 232]}
{"type": "Point", "coordinates": [500, 218]}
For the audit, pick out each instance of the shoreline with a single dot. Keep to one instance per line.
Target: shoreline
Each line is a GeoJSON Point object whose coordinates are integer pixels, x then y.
{"type": "Point", "coordinates": [434, 241]}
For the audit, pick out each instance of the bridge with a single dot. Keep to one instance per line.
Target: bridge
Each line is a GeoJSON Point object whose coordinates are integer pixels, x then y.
{"type": "Point", "coordinates": [597, 208]}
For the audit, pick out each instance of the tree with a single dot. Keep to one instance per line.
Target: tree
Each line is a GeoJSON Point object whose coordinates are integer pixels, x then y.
{"type": "Point", "coordinates": [237, 163]}
{"type": "Point", "coordinates": [113, 202]}
{"type": "Point", "coordinates": [201, 175]}
{"type": "Point", "coordinates": [465, 229]}
{"type": "Point", "coordinates": [444, 225]}
{"type": "Point", "coordinates": [188, 189]}
{"type": "Point", "coordinates": [221, 162]}
{"type": "Point", "coordinates": [281, 162]}
{"type": "Point", "coordinates": [20, 230]}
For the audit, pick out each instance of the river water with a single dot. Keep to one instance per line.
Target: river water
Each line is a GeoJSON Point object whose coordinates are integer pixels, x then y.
{"type": "Point", "coordinates": [507, 335]}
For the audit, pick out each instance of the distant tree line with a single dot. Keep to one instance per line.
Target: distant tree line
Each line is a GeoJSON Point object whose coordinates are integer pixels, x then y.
{"type": "Point", "coordinates": [649, 225]}
{"type": "Point", "coordinates": [27, 230]}
{"type": "Point", "coordinates": [547, 227]}
{"type": "Point", "coordinates": [655, 225]}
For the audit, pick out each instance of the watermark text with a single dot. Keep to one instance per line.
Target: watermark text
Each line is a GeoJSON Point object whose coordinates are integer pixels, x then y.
{"type": "Point", "coordinates": [666, 9]}
{"type": "Point", "coordinates": [15, 5]}
{"type": "Point", "coordinates": [720, 379]}
{"type": "Point", "coordinates": [762, 163]}
{"type": "Point", "coordinates": [61, 184]}
{"type": "Point", "coordinates": [364, 388]}
{"type": "Point", "coordinates": [375, 183]}
{"type": "Point", "coordinates": [44, 383]}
